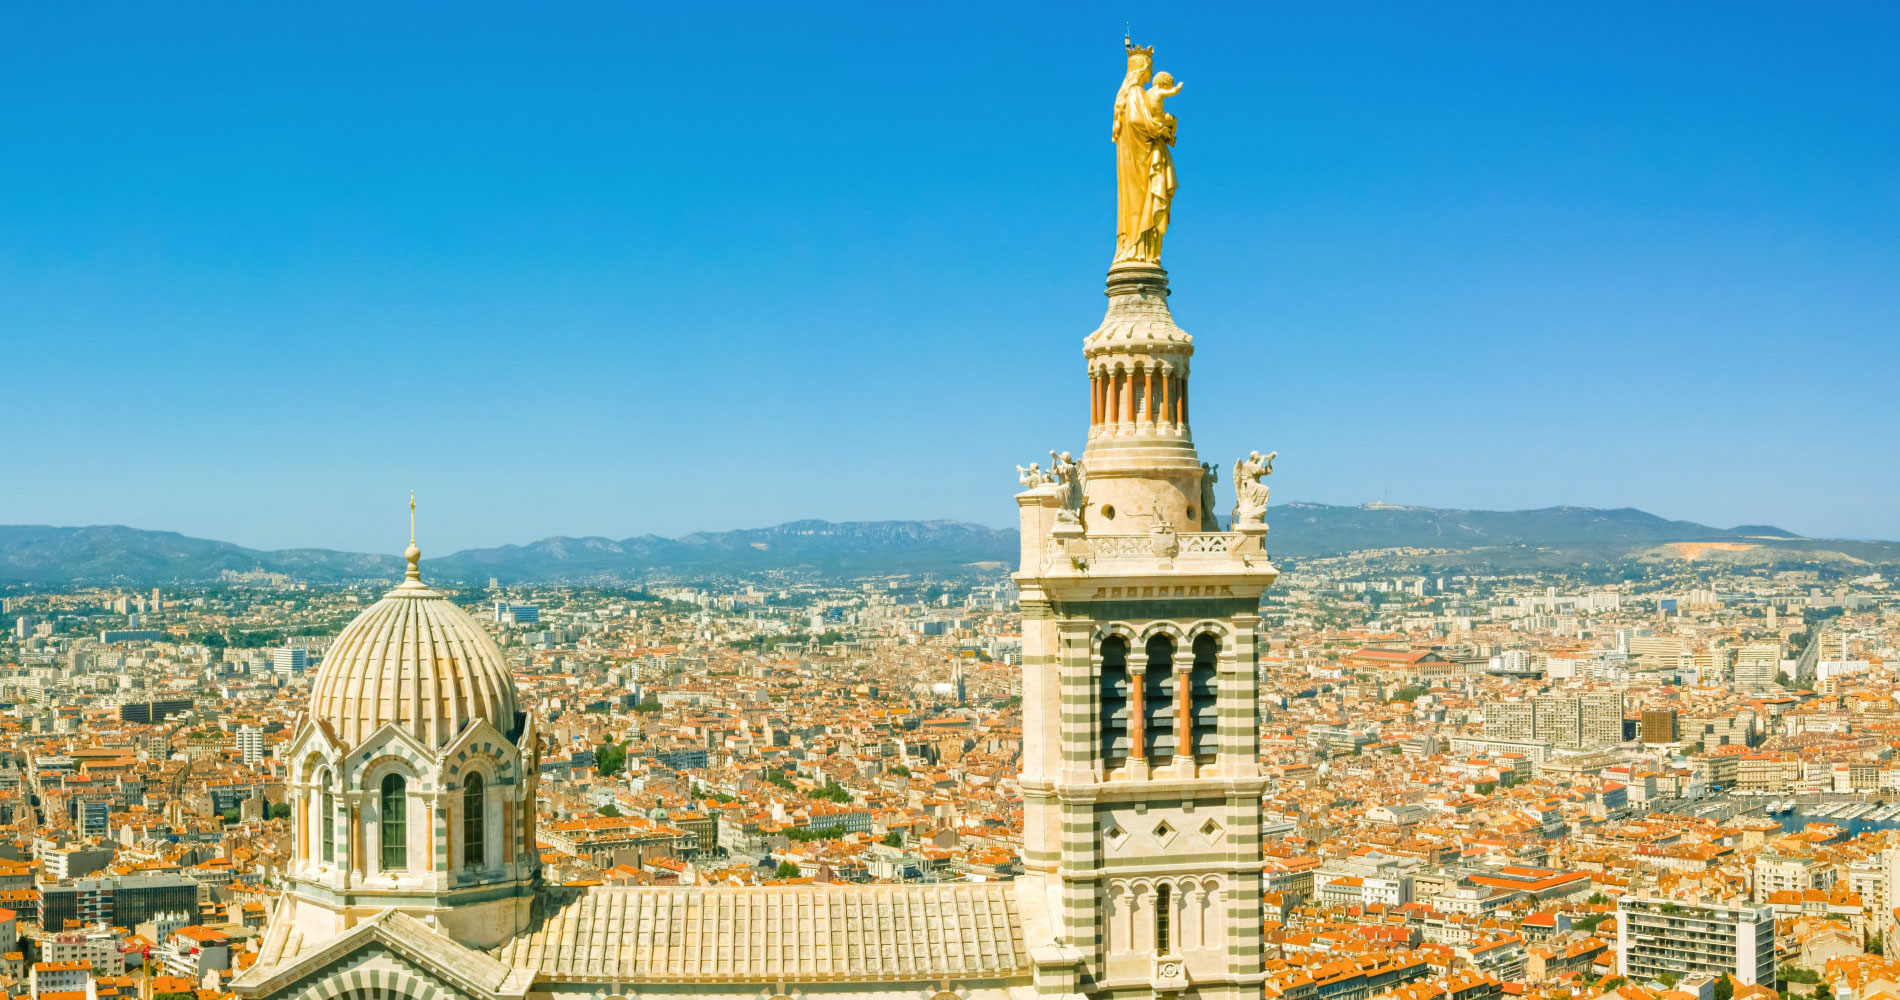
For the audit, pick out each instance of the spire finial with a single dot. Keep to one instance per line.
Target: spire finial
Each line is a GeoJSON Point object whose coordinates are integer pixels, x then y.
{"type": "Point", "coordinates": [413, 554]}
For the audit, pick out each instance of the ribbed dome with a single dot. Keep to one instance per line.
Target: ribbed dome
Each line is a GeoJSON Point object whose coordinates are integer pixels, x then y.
{"type": "Point", "coordinates": [415, 659]}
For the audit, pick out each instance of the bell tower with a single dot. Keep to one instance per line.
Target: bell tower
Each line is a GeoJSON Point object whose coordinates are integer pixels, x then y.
{"type": "Point", "coordinates": [1141, 772]}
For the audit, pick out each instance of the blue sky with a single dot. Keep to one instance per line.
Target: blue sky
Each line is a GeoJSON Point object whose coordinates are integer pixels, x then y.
{"type": "Point", "coordinates": [617, 268]}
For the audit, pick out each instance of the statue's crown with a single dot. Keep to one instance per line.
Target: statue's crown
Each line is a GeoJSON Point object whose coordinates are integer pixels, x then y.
{"type": "Point", "coordinates": [1138, 51]}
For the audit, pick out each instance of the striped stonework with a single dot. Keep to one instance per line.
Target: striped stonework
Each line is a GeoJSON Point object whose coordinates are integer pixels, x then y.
{"type": "Point", "coordinates": [376, 984]}
{"type": "Point", "coordinates": [441, 850]}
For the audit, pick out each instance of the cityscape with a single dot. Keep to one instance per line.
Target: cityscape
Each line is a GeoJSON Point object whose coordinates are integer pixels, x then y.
{"type": "Point", "coordinates": [1154, 732]}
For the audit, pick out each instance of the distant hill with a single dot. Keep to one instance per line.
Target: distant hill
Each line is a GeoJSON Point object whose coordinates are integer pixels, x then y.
{"type": "Point", "coordinates": [46, 556]}
{"type": "Point", "coordinates": [1324, 529]}
{"type": "Point", "coordinates": [848, 547]}
{"type": "Point", "coordinates": [1549, 536]}
{"type": "Point", "coordinates": [37, 554]}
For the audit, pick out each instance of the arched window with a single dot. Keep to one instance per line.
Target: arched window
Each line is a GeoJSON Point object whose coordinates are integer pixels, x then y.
{"type": "Point", "coordinates": [395, 827]}
{"type": "Point", "coordinates": [1164, 930]}
{"type": "Point", "coordinates": [474, 822]}
{"type": "Point", "coordinates": [326, 803]}
{"type": "Point", "coordinates": [1115, 747]}
{"type": "Point", "coordinates": [1206, 713]}
{"type": "Point", "coordinates": [1157, 702]}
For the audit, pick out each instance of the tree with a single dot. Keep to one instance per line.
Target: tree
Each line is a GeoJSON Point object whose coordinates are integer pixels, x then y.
{"type": "Point", "coordinates": [787, 870]}
{"type": "Point", "coordinates": [280, 810]}
{"type": "Point", "coordinates": [893, 839]}
{"type": "Point", "coordinates": [174, 996]}
{"type": "Point", "coordinates": [1724, 988]}
{"type": "Point", "coordinates": [1408, 693]}
{"type": "Point", "coordinates": [609, 758]}
{"type": "Point", "coordinates": [1875, 946]}
{"type": "Point", "coordinates": [1669, 980]}
{"type": "Point", "coordinates": [1597, 899]}
{"type": "Point", "coordinates": [1612, 983]}
{"type": "Point", "coordinates": [649, 703]}
{"type": "Point", "coordinates": [1487, 787]}
{"type": "Point", "coordinates": [899, 770]}
{"type": "Point", "coordinates": [610, 811]}
{"type": "Point", "coordinates": [832, 792]}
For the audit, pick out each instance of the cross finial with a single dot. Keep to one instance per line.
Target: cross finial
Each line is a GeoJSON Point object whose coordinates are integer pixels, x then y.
{"type": "Point", "coordinates": [413, 554]}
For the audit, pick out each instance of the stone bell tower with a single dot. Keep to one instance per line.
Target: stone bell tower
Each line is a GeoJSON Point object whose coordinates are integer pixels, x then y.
{"type": "Point", "coordinates": [1141, 772]}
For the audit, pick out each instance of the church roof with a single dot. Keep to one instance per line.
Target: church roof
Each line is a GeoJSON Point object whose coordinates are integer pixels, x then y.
{"type": "Point", "coordinates": [414, 659]}
{"type": "Point", "coordinates": [868, 932]}
{"type": "Point", "coordinates": [287, 955]}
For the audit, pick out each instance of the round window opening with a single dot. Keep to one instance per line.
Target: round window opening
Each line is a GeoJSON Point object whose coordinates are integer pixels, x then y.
{"type": "Point", "coordinates": [1108, 511]}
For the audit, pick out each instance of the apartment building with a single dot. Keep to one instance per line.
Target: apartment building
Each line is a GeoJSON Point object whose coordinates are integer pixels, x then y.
{"type": "Point", "coordinates": [1656, 936]}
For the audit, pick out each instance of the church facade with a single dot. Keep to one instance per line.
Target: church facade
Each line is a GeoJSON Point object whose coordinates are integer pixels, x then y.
{"type": "Point", "coordinates": [413, 771]}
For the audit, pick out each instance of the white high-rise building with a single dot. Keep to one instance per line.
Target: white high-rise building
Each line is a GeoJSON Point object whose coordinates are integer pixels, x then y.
{"type": "Point", "coordinates": [289, 661]}
{"type": "Point", "coordinates": [1656, 936]}
{"type": "Point", "coordinates": [250, 744]}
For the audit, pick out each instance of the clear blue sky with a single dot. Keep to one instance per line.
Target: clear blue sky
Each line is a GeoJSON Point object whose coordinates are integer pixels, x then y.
{"type": "Point", "coordinates": [619, 268]}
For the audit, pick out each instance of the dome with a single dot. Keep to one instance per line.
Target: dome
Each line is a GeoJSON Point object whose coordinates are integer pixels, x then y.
{"type": "Point", "coordinates": [414, 659]}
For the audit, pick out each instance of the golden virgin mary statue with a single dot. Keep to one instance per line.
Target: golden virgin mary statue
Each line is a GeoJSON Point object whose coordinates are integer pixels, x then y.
{"type": "Point", "coordinates": [1144, 160]}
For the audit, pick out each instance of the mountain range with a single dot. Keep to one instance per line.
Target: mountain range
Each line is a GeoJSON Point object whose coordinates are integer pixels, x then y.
{"type": "Point", "coordinates": [37, 555]}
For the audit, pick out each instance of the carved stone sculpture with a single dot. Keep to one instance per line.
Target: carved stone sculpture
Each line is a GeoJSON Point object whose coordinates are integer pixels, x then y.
{"type": "Point", "coordinates": [1033, 476]}
{"type": "Point", "coordinates": [1066, 473]}
{"type": "Point", "coordinates": [1250, 493]}
{"type": "Point", "coordinates": [1209, 476]}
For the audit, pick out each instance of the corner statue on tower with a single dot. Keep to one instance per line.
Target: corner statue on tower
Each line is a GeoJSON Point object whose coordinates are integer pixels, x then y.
{"type": "Point", "coordinates": [1144, 161]}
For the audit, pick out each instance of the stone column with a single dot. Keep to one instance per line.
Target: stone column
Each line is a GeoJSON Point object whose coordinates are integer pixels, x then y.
{"type": "Point", "coordinates": [1128, 397]}
{"type": "Point", "coordinates": [1184, 711]}
{"type": "Point", "coordinates": [1137, 714]}
{"type": "Point", "coordinates": [1240, 758]}
{"type": "Point", "coordinates": [1095, 399]}
{"type": "Point", "coordinates": [1149, 415]}
{"type": "Point", "coordinates": [1080, 730]}
{"type": "Point", "coordinates": [1042, 743]}
{"type": "Point", "coordinates": [1238, 680]}
{"type": "Point", "coordinates": [1167, 399]}
{"type": "Point", "coordinates": [508, 830]}
{"type": "Point", "coordinates": [439, 842]}
{"type": "Point", "coordinates": [352, 840]}
{"type": "Point", "coordinates": [1078, 720]}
